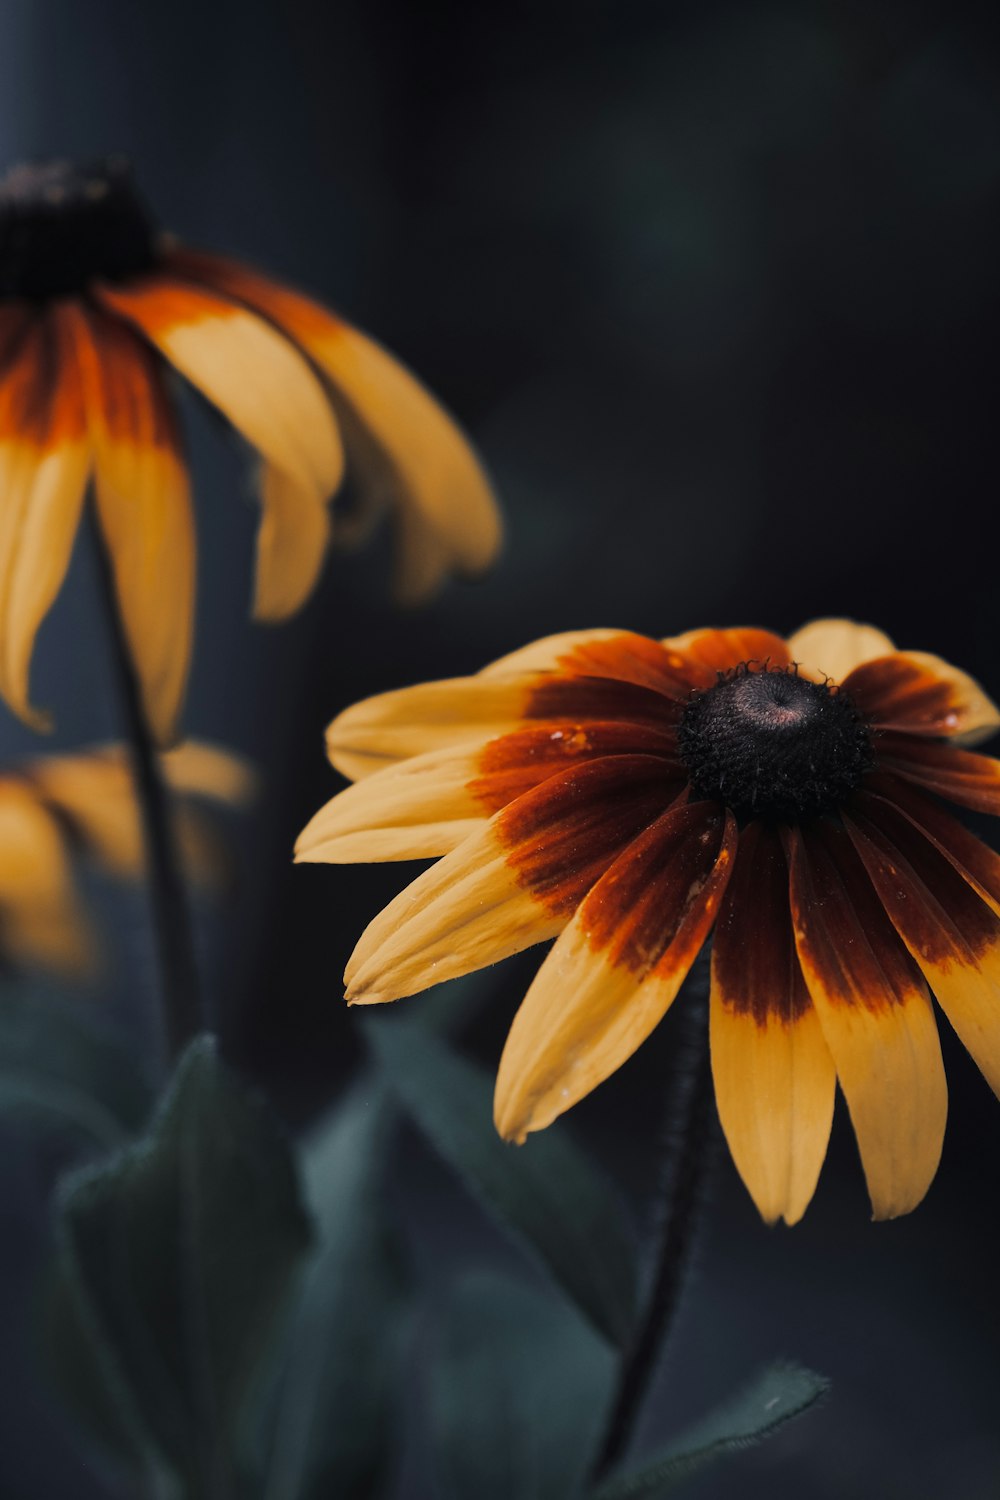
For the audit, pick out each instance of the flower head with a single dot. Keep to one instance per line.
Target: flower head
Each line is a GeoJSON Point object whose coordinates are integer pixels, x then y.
{"type": "Point", "coordinates": [626, 796]}
{"type": "Point", "coordinates": [53, 808]}
{"type": "Point", "coordinates": [95, 306]}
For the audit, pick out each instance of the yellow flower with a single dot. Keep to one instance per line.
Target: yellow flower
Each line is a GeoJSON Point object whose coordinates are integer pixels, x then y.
{"type": "Point", "coordinates": [56, 806]}
{"type": "Point", "coordinates": [625, 796]}
{"type": "Point", "coordinates": [95, 305]}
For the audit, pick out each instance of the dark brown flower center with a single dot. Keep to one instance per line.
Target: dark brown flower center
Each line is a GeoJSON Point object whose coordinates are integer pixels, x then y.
{"type": "Point", "coordinates": [64, 224]}
{"type": "Point", "coordinates": [772, 744]}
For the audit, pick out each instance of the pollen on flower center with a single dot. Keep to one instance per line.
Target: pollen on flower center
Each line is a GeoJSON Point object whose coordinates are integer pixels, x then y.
{"type": "Point", "coordinates": [63, 224]}
{"type": "Point", "coordinates": [773, 744]}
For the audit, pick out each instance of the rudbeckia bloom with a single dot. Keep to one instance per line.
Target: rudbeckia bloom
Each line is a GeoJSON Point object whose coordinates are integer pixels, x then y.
{"type": "Point", "coordinates": [95, 307]}
{"type": "Point", "coordinates": [55, 807]}
{"type": "Point", "coordinates": [624, 796]}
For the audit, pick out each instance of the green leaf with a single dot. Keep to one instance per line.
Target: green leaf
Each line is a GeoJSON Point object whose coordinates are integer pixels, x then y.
{"type": "Point", "coordinates": [174, 1261]}
{"type": "Point", "coordinates": [335, 1401]}
{"type": "Point", "coordinates": [775, 1395]}
{"type": "Point", "coordinates": [546, 1191]}
{"type": "Point", "coordinates": [518, 1394]}
{"type": "Point", "coordinates": [60, 1068]}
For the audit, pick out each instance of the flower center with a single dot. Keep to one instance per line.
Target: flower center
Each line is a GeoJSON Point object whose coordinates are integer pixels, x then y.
{"type": "Point", "coordinates": [63, 224]}
{"type": "Point", "coordinates": [772, 744]}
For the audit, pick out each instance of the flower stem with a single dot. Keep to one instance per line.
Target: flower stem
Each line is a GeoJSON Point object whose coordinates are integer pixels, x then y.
{"type": "Point", "coordinates": [685, 1160]}
{"type": "Point", "coordinates": [182, 1010]}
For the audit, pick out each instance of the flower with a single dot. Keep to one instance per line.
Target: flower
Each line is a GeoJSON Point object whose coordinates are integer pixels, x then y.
{"type": "Point", "coordinates": [95, 305]}
{"type": "Point", "coordinates": [53, 807]}
{"type": "Point", "coordinates": [625, 796]}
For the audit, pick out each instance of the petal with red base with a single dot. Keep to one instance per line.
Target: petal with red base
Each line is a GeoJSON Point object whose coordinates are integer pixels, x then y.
{"type": "Point", "coordinates": [774, 1076]}
{"type": "Point", "coordinates": [876, 1017]}
{"type": "Point", "coordinates": [922, 694]}
{"type": "Point", "coordinates": [704, 654]}
{"type": "Point", "coordinates": [616, 969]}
{"type": "Point", "coordinates": [960, 775]}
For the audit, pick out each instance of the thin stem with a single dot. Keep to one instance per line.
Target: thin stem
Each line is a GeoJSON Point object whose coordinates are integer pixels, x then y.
{"type": "Point", "coordinates": [685, 1162]}
{"type": "Point", "coordinates": [182, 1009]}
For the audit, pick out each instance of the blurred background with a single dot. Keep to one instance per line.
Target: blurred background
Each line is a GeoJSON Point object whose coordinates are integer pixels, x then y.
{"type": "Point", "coordinates": [714, 286]}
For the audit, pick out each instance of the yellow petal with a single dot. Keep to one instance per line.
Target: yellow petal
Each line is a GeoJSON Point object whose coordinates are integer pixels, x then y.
{"type": "Point", "coordinates": [546, 654]}
{"type": "Point", "coordinates": [40, 917]}
{"type": "Point", "coordinates": [876, 1017]}
{"type": "Point", "coordinates": [459, 711]}
{"type": "Point", "coordinates": [616, 969]}
{"type": "Point", "coordinates": [467, 911]}
{"type": "Point", "coordinates": [422, 807]}
{"type": "Point", "coordinates": [144, 506]}
{"type": "Point", "coordinates": [256, 378]}
{"type": "Point", "coordinates": [434, 475]}
{"type": "Point", "coordinates": [43, 473]}
{"type": "Point", "coordinates": [205, 770]}
{"type": "Point", "coordinates": [833, 647]}
{"type": "Point", "coordinates": [774, 1076]}
{"type": "Point", "coordinates": [292, 543]}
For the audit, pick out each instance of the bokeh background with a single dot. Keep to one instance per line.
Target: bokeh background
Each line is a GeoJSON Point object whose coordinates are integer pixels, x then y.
{"type": "Point", "coordinates": [715, 288]}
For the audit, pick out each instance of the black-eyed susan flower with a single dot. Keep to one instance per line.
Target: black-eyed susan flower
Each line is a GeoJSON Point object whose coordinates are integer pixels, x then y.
{"type": "Point", "coordinates": [96, 305]}
{"type": "Point", "coordinates": [625, 796]}
{"type": "Point", "coordinates": [53, 808]}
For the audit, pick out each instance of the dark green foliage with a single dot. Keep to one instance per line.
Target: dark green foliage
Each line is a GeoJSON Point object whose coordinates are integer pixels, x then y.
{"type": "Point", "coordinates": [545, 1192]}
{"type": "Point", "coordinates": [174, 1260]}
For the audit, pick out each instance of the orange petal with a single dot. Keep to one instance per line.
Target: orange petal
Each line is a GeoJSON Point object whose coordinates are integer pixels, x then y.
{"type": "Point", "coordinates": [876, 1017]}
{"type": "Point", "coordinates": [42, 925]}
{"type": "Point", "coordinates": [706, 653]}
{"type": "Point", "coordinates": [547, 654]}
{"type": "Point", "coordinates": [887, 799]}
{"type": "Point", "coordinates": [436, 479]}
{"type": "Point", "coordinates": [961, 776]}
{"type": "Point", "coordinates": [833, 648]}
{"type": "Point", "coordinates": [464, 711]}
{"type": "Point", "coordinates": [617, 967]}
{"type": "Point", "coordinates": [428, 804]}
{"type": "Point", "coordinates": [921, 694]}
{"type": "Point", "coordinates": [774, 1076]}
{"type": "Point", "coordinates": [144, 505]}
{"type": "Point", "coordinates": [952, 935]}
{"type": "Point", "coordinates": [43, 474]}
{"type": "Point", "coordinates": [514, 883]}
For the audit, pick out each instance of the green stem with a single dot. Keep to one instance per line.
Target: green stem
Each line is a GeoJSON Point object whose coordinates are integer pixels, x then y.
{"type": "Point", "coordinates": [685, 1161]}
{"type": "Point", "coordinates": [182, 1010]}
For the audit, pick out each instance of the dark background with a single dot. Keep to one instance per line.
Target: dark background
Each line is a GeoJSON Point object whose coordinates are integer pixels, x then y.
{"type": "Point", "coordinates": [715, 289]}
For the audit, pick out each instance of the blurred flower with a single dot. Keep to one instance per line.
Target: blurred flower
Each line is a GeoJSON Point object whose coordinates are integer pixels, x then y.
{"type": "Point", "coordinates": [54, 807]}
{"type": "Point", "coordinates": [95, 304]}
{"type": "Point", "coordinates": [624, 795]}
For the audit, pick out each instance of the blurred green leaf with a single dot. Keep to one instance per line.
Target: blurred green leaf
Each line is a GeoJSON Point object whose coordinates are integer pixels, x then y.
{"type": "Point", "coordinates": [775, 1395]}
{"type": "Point", "coordinates": [60, 1067]}
{"type": "Point", "coordinates": [335, 1413]}
{"type": "Point", "coordinates": [174, 1260]}
{"type": "Point", "coordinates": [518, 1394]}
{"type": "Point", "coordinates": [546, 1191]}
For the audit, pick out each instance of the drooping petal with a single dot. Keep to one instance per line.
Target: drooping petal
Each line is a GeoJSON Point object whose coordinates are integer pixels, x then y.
{"type": "Point", "coordinates": [267, 390]}
{"type": "Point", "coordinates": [463, 711]}
{"type": "Point", "coordinates": [706, 653]}
{"type": "Point", "coordinates": [951, 933]}
{"type": "Point", "coordinates": [428, 804]}
{"type": "Point", "coordinates": [922, 694]}
{"type": "Point", "coordinates": [41, 924]}
{"type": "Point", "coordinates": [774, 1076]}
{"type": "Point", "coordinates": [886, 799]}
{"type": "Point", "coordinates": [876, 1017]}
{"type": "Point", "coordinates": [833, 648]}
{"type": "Point", "coordinates": [960, 775]}
{"type": "Point", "coordinates": [616, 969]}
{"type": "Point", "coordinates": [43, 474]}
{"type": "Point", "coordinates": [144, 505]}
{"type": "Point", "coordinates": [514, 883]}
{"type": "Point", "coordinates": [435, 476]}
